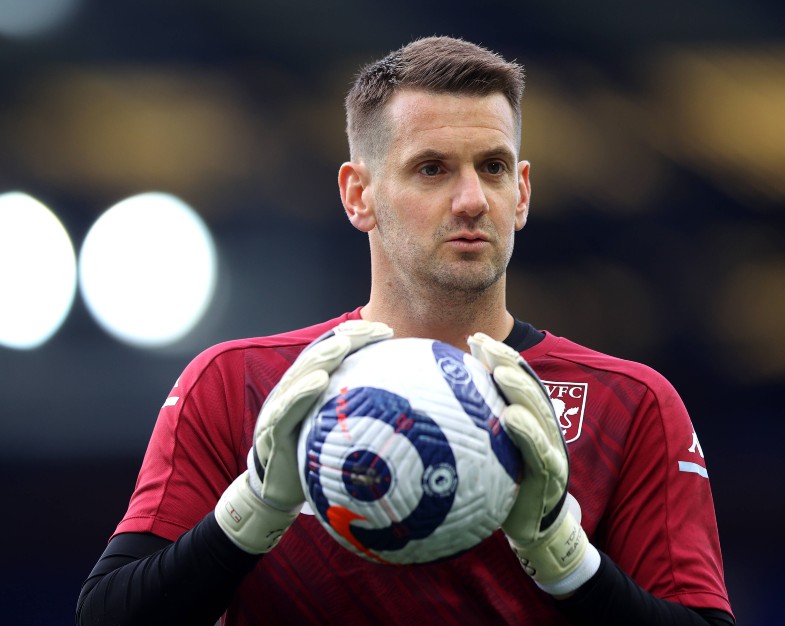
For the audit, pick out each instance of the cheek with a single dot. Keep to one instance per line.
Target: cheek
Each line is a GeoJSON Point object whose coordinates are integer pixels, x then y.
{"type": "Point", "coordinates": [407, 212]}
{"type": "Point", "coordinates": [509, 217]}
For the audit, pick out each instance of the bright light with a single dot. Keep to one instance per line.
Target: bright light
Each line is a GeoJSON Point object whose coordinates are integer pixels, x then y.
{"type": "Point", "coordinates": [37, 272]}
{"type": "Point", "coordinates": [27, 18]}
{"type": "Point", "coordinates": [147, 270]}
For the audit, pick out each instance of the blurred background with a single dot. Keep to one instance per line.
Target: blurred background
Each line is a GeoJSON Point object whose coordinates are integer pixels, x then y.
{"type": "Point", "coordinates": [656, 133]}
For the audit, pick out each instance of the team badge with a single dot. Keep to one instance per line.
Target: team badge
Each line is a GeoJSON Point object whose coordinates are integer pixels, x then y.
{"type": "Point", "coordinates": [569, 401]}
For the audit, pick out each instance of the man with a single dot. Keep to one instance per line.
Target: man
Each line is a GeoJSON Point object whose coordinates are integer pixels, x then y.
{"type": "Point", "coordinates": [213, 527]}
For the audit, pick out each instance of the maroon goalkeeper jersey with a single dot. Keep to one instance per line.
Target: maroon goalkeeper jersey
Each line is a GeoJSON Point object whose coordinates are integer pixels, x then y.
{"type": "Point", "coordinates": [637, 469]}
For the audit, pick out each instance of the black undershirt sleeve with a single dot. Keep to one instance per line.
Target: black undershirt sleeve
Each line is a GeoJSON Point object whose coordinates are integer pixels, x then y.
{"type": "Point", "coordinates": [144, 579]}
{"type": "Point", "coordinates": [611, 598]}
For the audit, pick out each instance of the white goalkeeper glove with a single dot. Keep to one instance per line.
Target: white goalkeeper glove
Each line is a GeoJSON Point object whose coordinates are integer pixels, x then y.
{"type": "Point", "coordinates": [258, 507]}
{"type": "Point", "coordinates": [542, 528]}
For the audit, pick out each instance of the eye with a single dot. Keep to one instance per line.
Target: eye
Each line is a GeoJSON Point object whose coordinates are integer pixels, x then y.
{"type": "Point", "coordinates": [496, 167]}
{"type": "Point", "coordinates": [430, 169]}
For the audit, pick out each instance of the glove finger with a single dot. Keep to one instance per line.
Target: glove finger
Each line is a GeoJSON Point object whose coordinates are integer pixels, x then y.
{"type": "Point", "coordinates": [523, 520]}
{"type": "Point", "coordinates": [476, 342]}
{"type": "Point", "coordinates": [492, 353]}
{"type": "Point", "coordinates": [276, 440]}
{"type": "Point", "coordinates": [362, 332]}
{"type": "Point", "coordinates": [545, 476]}
{"type": "Point", "coordinates": [328, 352]}
{"type": "Point", "coordinates": [290, 409]}
{"type": "Point", "coordinates": [519, 383]}
{"type": "Point", "coordinates": [325, 355]}
{"type": "Point", "coordinates": [520, 388]}
{"type": "Point", "coordinates": [529, 437]}
{"type": "Point", "coordinates": [281, 486]}
{"type": "Point", "coordinates": [281, 414]}
{"type": "Point", "coordinates": [277, 427]}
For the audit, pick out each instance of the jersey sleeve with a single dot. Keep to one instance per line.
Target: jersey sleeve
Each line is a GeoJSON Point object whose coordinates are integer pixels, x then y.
{"type": "Point", "coordinates": [204, 429]}
{"type": "Point", "coordinates": [660, 525]}
{"type": "Point", "coordinates": [197, 448]}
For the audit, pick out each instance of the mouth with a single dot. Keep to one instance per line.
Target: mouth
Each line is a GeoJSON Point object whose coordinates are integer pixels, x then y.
{"type": "Point", "coordinates": [468, 241]}
{"type": "Point", "coordinates": [469, 237]}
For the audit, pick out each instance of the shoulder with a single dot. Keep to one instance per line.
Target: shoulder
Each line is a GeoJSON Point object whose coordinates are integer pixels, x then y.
{"type": "Point", "coordinates": [290, 342]}
{"type": "Point", "coordinates": [255, 363]}
{"type": "Point", "coordinates": [589, 387]}
{"type": "Point", "coordinates": [559, 353]}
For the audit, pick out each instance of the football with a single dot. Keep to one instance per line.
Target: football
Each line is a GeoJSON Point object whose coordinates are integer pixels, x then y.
{"type": "Point", "coordinates": [403, 458]}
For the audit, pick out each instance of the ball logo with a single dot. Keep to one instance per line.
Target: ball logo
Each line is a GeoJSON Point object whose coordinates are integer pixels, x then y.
{"type": "Point", "coordinates": [440, 481]}
{"type": "Point", "coordinates": [453, 370]}
{"type": "Point", "coordinates": [473, 403]}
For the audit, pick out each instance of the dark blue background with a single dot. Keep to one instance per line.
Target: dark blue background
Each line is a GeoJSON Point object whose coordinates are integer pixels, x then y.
{"type": "Point", "coordinates": [639, 241]}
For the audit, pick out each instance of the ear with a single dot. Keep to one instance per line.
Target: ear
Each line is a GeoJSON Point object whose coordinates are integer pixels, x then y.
{"type": "Point", "coordinates": [524, 195]}
{"type": "Point", "coordinates": [354, 181]}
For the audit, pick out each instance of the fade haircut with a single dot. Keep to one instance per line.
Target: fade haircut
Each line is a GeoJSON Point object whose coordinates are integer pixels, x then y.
{"type": "Point", "coordinates": [443, 65]}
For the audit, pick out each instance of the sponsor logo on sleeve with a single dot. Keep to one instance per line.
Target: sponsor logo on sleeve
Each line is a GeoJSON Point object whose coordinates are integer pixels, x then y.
{"type": "Point", "coordinates": [569, 402]}
{"type": "Point", "coordinates": [696, 465]}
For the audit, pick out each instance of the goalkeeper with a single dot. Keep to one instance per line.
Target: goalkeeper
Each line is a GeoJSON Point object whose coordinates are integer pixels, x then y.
{"type": "Point", "coordinates": [614, 522]}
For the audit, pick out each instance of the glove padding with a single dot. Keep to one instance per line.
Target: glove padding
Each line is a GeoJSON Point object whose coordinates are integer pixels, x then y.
{"type": "Point", "coordinates": [258, 507]}
{"type": "Point", "coordinates": [541, 527]}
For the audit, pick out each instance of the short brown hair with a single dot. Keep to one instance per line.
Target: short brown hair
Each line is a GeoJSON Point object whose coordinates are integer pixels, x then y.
{"type": "Point", "coordinates": [436, 64]}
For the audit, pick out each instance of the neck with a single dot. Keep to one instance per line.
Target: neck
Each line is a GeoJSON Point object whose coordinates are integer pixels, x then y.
{"type": "Point", "coordinates": [450, 318]}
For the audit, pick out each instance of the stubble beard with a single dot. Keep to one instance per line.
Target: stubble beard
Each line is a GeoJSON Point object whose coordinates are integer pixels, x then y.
{"type": "Point", "coordinates": [463, 278]}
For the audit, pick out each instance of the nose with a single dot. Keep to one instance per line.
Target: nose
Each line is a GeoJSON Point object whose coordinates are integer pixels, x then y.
{"type": "Point", "coordinates": [469, 198]}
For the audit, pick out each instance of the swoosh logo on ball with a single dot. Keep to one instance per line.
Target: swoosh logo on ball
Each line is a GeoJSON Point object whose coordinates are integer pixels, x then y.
{"type": "Point", "coordinates": [341, 518]}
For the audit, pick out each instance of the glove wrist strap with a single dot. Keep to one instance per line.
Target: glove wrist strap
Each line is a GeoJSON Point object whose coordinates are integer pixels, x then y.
{"type": "Point", "coordinates": [251, 523]}
{"type": "Point", "coordinates": [585, 569]}
{"type": "Point", "coordinates": [562, 560]}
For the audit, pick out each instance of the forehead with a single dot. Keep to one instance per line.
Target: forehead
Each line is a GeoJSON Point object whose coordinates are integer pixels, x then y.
{"type": "Point", "coordinates": [419, 119]}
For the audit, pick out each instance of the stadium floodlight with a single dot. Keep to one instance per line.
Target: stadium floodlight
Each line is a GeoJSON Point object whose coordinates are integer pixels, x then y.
{"type": "Point", "coordinates": [147, 270]}
{"type": "Point", "coordinates": [37, 272]}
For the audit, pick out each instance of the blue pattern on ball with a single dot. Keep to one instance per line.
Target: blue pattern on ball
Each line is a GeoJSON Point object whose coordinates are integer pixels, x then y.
{"type": "Point", "coordinates": [428, 440]}
{"type": "Point", "coordinates": [366, 476]}
{"type": "Point", "coordinates": [459, 379]}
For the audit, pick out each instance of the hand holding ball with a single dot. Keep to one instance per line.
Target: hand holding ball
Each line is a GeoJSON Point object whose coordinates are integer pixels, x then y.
{"type": "Point", "coordinates": [403, 457]}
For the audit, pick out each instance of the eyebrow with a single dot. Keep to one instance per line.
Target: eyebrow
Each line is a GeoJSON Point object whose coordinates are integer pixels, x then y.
{"type": "Point", "coordinates": [499, 152]}
{"type": "Point", "coordinates": [431, 154]}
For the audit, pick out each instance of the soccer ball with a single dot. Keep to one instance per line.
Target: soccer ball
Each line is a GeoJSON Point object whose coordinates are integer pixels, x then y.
{"type": "Point", "coordinates": [403, 458]}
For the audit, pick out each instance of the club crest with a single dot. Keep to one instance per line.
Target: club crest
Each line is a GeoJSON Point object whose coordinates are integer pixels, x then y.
{"type": "Point", "coordinates": [569, 401]}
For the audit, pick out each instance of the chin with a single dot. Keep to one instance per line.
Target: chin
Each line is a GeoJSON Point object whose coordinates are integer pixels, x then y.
{"type": "Point", "coordinates": [468, 283]}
